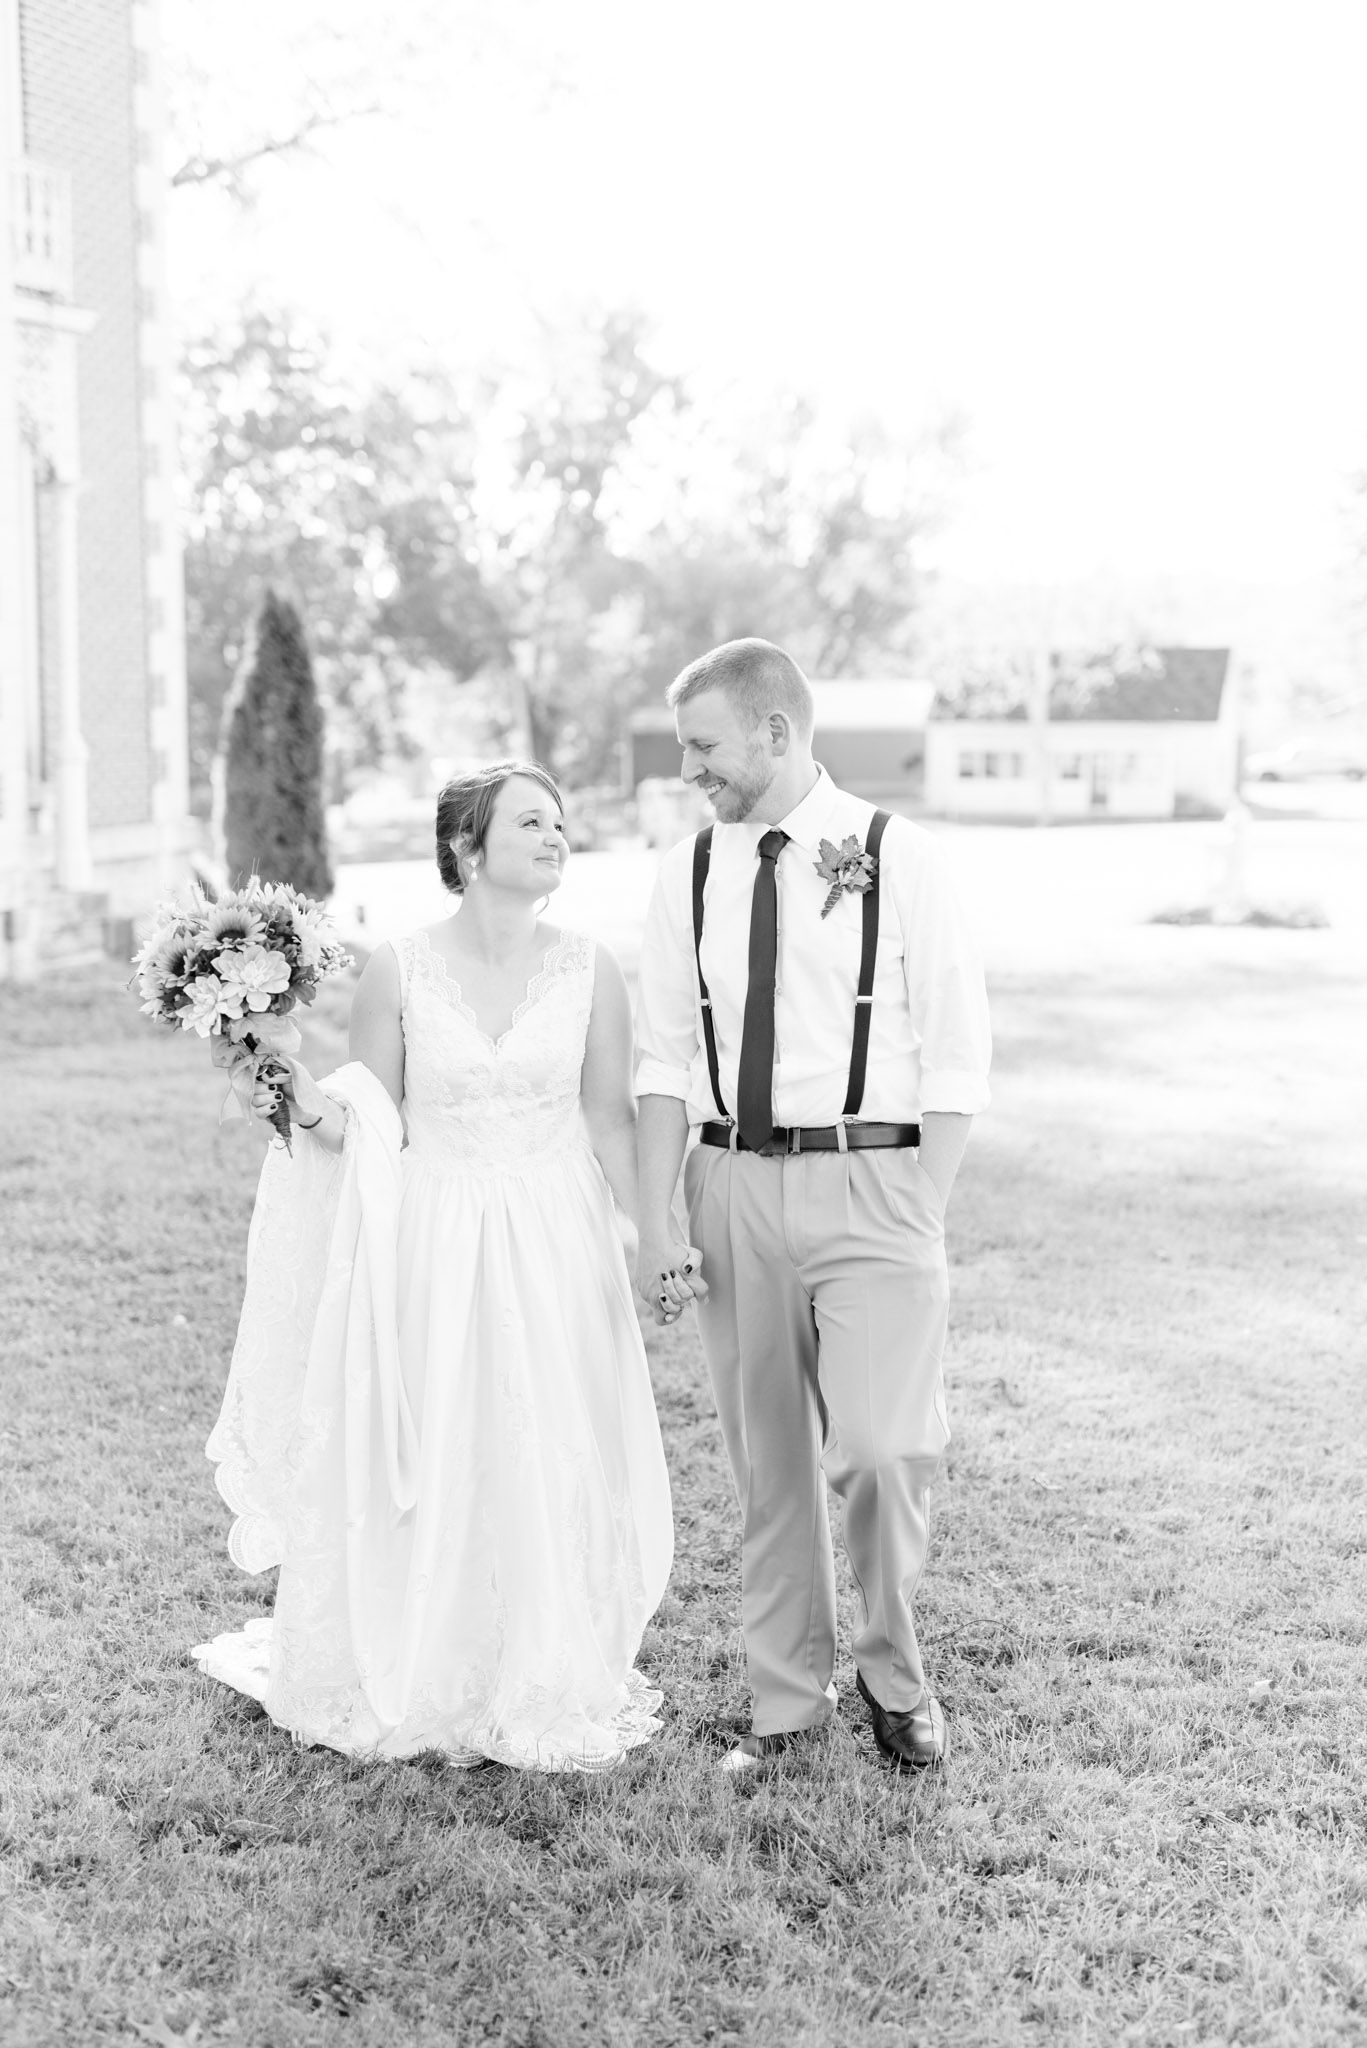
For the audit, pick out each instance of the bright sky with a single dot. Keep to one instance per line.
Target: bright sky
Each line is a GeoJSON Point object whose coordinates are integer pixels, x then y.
{"type": "Point", "coordinates": [1126, 241]}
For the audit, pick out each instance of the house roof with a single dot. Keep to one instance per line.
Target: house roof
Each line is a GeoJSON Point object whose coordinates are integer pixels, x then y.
{"type": "Point", "coordinates": [1165, 685]}
{"type": "Point", "coordinates": [894, 706]}
{"type": "Point", "coordinates": [1179, 683]}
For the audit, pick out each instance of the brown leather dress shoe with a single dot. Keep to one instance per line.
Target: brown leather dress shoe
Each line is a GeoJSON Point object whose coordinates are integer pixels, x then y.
{"type": "Point", "coordinates": [914, 1741]}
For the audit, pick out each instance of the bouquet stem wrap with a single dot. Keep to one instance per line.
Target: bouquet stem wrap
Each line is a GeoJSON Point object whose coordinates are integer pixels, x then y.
{"type": "Point", "coordinates": [250, 1048]}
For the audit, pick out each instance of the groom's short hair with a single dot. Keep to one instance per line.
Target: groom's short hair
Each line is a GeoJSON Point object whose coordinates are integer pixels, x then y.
{"type": "Point", "coordinates": [755, 677]}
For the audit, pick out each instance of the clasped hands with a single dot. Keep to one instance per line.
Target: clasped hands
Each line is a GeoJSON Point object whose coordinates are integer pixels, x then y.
{"type": "Point", "coordinates": [668, 1276]}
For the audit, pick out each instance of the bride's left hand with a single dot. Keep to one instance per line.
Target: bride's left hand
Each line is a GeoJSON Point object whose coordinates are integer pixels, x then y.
{"type": "Point", "coordinates": [283, 1078]}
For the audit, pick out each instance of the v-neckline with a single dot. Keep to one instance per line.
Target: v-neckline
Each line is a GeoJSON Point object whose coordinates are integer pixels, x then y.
{"type": "Point", "coordinates": [531, 995]}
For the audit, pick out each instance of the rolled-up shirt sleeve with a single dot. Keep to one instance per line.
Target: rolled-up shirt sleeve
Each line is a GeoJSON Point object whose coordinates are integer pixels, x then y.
{"type": "Point", "coordinates": [666, 1002]}
{"type": "Point", "coordinates": [945, 989]}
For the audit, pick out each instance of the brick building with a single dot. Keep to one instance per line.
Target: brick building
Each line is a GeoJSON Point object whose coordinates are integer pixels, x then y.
{"type": "Point", "coordinates": [93, 803]}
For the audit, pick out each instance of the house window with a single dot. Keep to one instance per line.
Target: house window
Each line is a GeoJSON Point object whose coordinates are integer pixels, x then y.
{"type": "Point", "coordinates": [993, 765]}
{"type": "Point", "coordinates": [1068, 767]}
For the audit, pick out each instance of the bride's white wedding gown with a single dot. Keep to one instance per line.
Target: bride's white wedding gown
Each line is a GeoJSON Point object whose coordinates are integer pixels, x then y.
{"type": "Point", "coordinates": [499, 1614]}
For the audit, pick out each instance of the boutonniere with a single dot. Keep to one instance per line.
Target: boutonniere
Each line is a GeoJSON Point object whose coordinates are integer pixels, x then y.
{"type": "Point", "coordinates": [848, 869]}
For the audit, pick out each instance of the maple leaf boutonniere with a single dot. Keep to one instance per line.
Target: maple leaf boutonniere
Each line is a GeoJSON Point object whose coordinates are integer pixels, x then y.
{"type": "Point", "coordinates": [848, 869]}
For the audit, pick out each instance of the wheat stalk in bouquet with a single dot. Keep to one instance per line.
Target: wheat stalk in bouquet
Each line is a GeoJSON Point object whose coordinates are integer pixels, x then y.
{"type": "Point", "coordinates": [231, 967]}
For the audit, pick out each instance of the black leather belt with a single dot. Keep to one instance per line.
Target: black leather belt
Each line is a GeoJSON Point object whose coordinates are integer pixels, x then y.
{"type": "Point", "coordinates": [817, 1138]}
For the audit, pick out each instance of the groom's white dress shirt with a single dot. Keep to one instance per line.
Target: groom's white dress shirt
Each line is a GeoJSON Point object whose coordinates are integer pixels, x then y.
{"type": "Point", "coordinates": [930, 1042]}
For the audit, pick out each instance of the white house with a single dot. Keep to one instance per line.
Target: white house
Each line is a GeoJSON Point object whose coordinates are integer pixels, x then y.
{"type": "Point", "coordinates": [93, 801]}
{"type": "Point", "coordinates": [1155, 741]}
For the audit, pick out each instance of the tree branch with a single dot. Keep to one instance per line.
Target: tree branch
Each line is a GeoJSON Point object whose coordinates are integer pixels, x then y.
{"type": "Point", "coordinates": [227, 170]}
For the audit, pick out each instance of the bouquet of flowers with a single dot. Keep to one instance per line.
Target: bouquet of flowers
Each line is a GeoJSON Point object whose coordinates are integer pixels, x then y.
{"type": "Point", "coordinates": [231, 967]}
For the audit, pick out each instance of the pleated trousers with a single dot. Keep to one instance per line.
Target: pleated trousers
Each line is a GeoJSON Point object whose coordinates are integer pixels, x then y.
{"type": "Point", "coordinates": [824, 1334]}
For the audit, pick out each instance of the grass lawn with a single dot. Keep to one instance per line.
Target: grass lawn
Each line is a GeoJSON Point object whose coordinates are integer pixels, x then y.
{"type": "Point", "coordinates": [1146, 1608]}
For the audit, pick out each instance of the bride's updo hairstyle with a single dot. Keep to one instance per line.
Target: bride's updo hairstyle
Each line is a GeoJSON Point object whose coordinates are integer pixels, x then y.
{"type": "Point", "coordinates": [464, 808]}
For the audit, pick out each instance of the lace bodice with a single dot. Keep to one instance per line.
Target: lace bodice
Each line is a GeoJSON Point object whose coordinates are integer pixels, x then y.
{"type": "Point", "coordinates": [477, 1105]}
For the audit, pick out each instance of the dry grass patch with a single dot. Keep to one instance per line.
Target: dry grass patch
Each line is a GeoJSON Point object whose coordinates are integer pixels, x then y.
{"type": "Point", "coordinates": [1153, 1504]}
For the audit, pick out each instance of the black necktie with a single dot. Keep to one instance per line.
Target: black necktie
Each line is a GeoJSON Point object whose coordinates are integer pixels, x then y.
{"type": "Point", "coordinates": [755, 1091]}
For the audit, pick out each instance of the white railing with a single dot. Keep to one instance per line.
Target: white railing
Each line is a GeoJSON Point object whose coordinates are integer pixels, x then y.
{"type": "Point", "coordinates": [42, 229]}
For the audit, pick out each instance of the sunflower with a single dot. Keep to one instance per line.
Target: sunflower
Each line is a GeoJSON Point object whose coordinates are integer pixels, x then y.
{"type": "Point", "coordinates": [172, 958]}
{"type": "Point", "coordinates": [234, 924]}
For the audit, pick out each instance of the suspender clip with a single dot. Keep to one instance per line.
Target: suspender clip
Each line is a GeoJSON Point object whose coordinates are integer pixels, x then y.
{"type": "Point", "coordinates": [842, 1143]}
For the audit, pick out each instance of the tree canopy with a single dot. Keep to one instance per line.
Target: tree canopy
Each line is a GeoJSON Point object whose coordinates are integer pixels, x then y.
{"type": "Point", "coordinates": [545, 531]}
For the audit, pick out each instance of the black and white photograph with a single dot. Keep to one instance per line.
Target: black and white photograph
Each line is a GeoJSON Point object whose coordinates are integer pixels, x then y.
{"type": "Point", "coordinates": [683, 1024]}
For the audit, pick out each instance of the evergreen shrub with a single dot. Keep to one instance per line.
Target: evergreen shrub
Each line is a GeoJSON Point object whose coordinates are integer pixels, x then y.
{"type": "Point", "coordinates": [269, 798]}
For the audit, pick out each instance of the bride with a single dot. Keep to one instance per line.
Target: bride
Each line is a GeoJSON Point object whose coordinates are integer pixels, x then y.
{"type": "Point", "coordinates": [438, 1420]}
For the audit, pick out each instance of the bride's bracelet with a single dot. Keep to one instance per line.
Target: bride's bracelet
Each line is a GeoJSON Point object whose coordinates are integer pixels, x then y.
{"type": "Point", "coordinates": [314, 1125]}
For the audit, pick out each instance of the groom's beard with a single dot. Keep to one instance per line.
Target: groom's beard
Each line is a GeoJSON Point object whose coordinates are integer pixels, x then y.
{"type": "Point", "coordinates": [740, 793]}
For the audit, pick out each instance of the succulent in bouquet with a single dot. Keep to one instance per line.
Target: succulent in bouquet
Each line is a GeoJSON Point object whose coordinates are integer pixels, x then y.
{"type": "Point", "coordinates": [231, 968]}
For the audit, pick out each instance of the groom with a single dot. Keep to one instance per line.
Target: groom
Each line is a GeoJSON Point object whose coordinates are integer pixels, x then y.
{"type": "Point", "coordinates": [812, 1006]}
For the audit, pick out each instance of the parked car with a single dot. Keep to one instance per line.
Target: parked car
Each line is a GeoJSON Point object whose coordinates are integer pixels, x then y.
{"type": "Point", "coordinates": [1305, 761]}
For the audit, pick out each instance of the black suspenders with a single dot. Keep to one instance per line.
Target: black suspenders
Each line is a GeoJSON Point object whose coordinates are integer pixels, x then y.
{"type": "Point", "coordinates": [702, 860]}
{"type": "Point", "coordinates": [868, 960]}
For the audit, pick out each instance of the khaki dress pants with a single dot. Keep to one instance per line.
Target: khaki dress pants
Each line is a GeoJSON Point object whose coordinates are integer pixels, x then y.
{"type": "Point", "coordinates": [824, 1333]}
